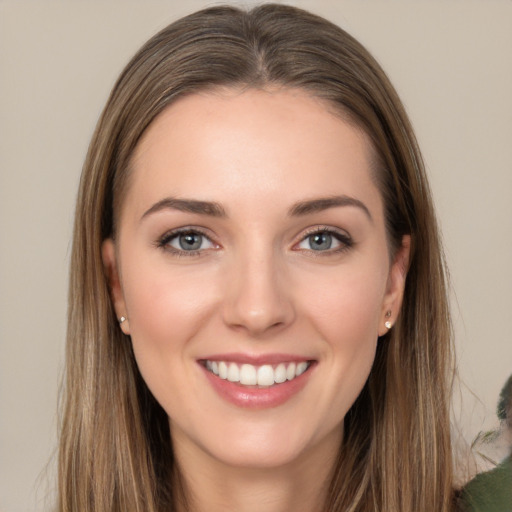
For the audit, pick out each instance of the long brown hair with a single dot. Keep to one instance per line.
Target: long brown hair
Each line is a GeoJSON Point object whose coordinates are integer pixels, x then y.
{"type": "Point", "coordinates": [115, 451]}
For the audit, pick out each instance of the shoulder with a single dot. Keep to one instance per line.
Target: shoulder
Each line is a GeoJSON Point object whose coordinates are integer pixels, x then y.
{"type": "Point", "coordinates": [490, 491]}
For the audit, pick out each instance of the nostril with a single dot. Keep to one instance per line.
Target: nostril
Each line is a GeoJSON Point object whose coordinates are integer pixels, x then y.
{"type": "Point", "coordinates": [258, 321]}
{"type": "Point", "coordinates": [256, 299]}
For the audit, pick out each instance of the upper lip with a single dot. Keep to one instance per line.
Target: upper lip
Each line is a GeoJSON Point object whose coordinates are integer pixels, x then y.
{"type": "Point", "coordinates": [256, 359]}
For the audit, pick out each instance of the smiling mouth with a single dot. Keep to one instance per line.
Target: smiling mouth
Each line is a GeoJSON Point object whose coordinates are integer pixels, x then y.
{"type": "Point", "coordinates": [262, 376]}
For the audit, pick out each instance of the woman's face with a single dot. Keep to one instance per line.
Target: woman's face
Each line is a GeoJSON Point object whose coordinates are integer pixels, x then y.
{"type": "Point", "coordinates": [252, 266]}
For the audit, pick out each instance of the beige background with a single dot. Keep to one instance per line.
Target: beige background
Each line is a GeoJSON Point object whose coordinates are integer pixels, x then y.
{"type": "Point", "coordinates": [450, 61]}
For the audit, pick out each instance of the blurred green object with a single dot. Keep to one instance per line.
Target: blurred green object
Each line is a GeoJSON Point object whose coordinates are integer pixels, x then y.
{"type": "Point", "coordinates": [492, 491]}
{"type": "Point", "coordinates": [505, 402]}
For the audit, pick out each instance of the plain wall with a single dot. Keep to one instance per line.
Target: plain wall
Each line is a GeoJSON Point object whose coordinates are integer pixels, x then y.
{"type": "Point", "coordinates": [451, 63]}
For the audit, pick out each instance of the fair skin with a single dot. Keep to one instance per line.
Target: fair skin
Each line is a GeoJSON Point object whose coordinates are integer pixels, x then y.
{"type": "Point", "coordinates": [280, 259]}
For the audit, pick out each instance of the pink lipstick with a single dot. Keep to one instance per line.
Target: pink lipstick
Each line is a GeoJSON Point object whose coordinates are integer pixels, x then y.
{"type": "Point", "coordinates": [257, 381]}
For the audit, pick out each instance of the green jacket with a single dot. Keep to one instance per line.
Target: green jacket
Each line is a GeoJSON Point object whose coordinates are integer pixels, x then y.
{"type": "Point", "coordinates": [490, 491]}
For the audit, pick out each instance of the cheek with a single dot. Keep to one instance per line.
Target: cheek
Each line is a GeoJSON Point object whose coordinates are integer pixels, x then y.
{"type": "Point", "coordinates": [166, 307]}
{"type": "Point", "coordinates": [166, 310]}
{"type": "Point", "coordinates": [346, 315]}
{"type": "Point", "coordinates": [346, 312]}
{"type": "Point", "coordinates": [346, 305]}
{"type": "Point", "coordinates": [162, 301]}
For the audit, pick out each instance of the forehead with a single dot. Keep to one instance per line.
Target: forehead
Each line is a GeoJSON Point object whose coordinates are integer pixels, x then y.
{"type": "Point", "coordinates": [251, 144]}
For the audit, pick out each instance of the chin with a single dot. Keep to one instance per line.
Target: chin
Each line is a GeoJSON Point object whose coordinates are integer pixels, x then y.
{"type": "Point", "coordinates": [269, 446]}
{"type": "Point", "coordinates": [256, 456]}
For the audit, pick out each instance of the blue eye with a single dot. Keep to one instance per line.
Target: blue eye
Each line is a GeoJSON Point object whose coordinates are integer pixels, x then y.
{"type": "Point", "coordinates": [320, 241]}
{"type": "Point", "coordinates": [325, 240]}
{"type": "Point", "coordinates": [188, 241]}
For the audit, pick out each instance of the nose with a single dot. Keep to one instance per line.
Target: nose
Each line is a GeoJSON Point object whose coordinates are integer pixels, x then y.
{"type": "Point", "coordinates": [258, 298]}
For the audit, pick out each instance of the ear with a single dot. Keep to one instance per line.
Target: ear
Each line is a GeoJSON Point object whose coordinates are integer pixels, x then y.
{"type": "Point", "coordinates": [108, 253]}
{"type": "Point", "coordinates": [396, 286]}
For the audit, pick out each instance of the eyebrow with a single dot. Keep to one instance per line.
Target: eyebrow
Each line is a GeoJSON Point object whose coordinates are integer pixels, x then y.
{"type": "Point", "coordinates": [187, 205]}
{"type": "Point", "coordinates": [324, 203]}
{"type": "Point", "coordinates": [214, 209]}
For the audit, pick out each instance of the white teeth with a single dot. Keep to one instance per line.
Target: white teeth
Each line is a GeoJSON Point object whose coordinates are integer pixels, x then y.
{"type": "Point", "coordinates": [250, 375]}
{"type": "Point", "coordinates": [280, 374]}
{"type": "Point", "coordinates": [223, 370]}
{"type": "Point", "coordinates": [290, 371]}
{"type": "Point", "coordinates": [265, 375]}
{"type": "Point", "coordinates": [233, 373]}
{"type": "Point", "coordinates": [301, 368]}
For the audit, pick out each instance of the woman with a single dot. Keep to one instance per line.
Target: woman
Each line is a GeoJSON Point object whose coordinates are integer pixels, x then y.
{"type": "Point", "coordinates": [258, 313]}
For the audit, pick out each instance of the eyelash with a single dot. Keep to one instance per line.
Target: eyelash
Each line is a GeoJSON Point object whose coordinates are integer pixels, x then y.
{"type": "Point", "coordinates": [345, 240]}
{"type": "Point", "coordinates": [164, 241]}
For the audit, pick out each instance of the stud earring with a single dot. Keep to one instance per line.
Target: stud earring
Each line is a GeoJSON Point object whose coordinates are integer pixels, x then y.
{"type": "Point", "coordinates": [122, 319]}
{"type": "Point", "coordinates": [388, 324]}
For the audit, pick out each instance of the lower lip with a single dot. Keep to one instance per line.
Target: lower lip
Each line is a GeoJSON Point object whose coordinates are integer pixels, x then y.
{"type": "Point", "coordinates": [258, 398]}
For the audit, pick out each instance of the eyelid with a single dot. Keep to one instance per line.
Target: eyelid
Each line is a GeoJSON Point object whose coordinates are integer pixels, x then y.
{"type": "Point", "coordinates": [342, 236]}
{"type": "Point", "coordinates": [163, 241]}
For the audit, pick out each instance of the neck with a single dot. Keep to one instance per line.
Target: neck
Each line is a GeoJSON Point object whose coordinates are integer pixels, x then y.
{"type": "Point", "coordinates": [212, 486]}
